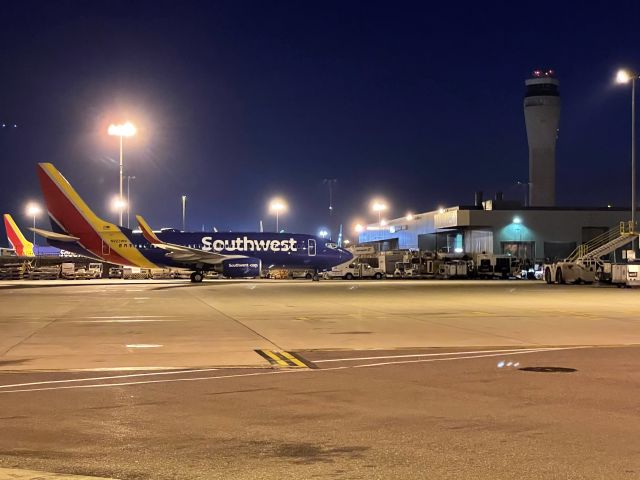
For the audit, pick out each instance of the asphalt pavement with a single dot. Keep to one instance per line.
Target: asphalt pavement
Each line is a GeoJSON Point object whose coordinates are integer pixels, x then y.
{"type": "Point", "coordinates": [330, 380]}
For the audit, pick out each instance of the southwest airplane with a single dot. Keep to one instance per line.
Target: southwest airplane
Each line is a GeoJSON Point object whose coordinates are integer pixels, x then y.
{"type": "Point", "coordinates": [77, 229]}
{"type": "Point", "coordinates": [23, 247]}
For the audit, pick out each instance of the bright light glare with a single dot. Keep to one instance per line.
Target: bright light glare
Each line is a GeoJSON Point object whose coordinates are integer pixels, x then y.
{"type": "Point", "coordinates": [118, 204]}
{"type": "Point", "coordinates": [33, 209]}
{"type": "Point", "coordinates": [277, 205]}
{"type": "Point", "coordinates": [378, 206]}
{"type": "Point", "coordinates": [440, 210]}
{"type": "Point", "coordinates": [383, 222]}
{"type": "Point", "coordinates": [346, 241]}
{"type": "Point", "coordinates": [517, 220]}
{"type": "Point", "coordinates": [127, 129]}
{"type": "Point", "coordinates": [358, 228]}
{"type": "Point", "coordinates": [409, 216]}
{"type": "Point", "coordinates": [323, 233]}
{"type": "Point", "coordinates": [623, 76]}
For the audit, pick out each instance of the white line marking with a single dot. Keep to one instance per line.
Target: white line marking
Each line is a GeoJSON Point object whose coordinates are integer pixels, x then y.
{"type": "Point", "coordinates": [133, 320]}
{"type": "Point", "coordinates": [75, 380]}
{"type": "Point", "coordinates": [134, 316]}
{"type": "Point", "coordinates": [417, 355]}
{"type": "Point", "coordinates": [281, 372]}
{"type": "Point", "coordinates": [144, 345]}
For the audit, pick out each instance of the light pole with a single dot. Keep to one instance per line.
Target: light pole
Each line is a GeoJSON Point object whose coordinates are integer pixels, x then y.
{"type": "Point", "coordinates": [626, 76]}
{"type": "Point", "coordinates": [33, 210]}
{"type": "Point", "coordinates": [129, 178]}
{"type": "Point", "coordinates": [276, 206]}
{"type": "Point", "coordinates": [331, 182]}
{"type": "Point", "coordinates": [184, 212]}
{"type": "Point", "coordinates": [124, 130]}
{"type": "Point", "coordinates": [379, 206]}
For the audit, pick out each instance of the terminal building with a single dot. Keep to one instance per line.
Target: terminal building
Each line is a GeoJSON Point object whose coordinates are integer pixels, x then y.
{"type": "Point", "coordinates": [534, 233]}
{"type": "Point", "coordinates": [536, 230]}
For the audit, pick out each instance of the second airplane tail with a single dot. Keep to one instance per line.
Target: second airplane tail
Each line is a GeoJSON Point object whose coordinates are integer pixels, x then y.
{"type": "Point", "coordinates": [22, 246]}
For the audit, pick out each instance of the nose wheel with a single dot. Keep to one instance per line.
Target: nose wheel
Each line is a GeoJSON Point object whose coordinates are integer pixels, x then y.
{"type": "Point", "coordinates": [197, 277]}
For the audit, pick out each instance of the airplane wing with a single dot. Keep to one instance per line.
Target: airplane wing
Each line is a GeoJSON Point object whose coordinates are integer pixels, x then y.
{"type": "Point", "coordinates": [181, 253]}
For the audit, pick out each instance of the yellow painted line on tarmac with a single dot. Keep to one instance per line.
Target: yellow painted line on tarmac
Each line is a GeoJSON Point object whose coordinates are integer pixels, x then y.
{"type": "Point", "coordinates": [282, 358]}
{"type": "Point", "coordinates": [276, 358]}
{"type": "Point", "coordinates": [293, 359]}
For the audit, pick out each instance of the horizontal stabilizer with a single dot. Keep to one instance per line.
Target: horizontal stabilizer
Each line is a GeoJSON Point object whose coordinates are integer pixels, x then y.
{"type": "Point", "coordinates": [60, 237]}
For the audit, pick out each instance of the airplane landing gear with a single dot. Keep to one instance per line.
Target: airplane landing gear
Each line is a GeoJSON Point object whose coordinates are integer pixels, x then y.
{"type": "Point", "coordinates": [316, 277]}
{"type": "Point", "coordinates": [196, 277]}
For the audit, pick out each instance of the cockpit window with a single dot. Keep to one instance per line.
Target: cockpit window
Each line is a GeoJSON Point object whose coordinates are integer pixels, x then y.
{"type": "Point", "coordinates": [331, 245]}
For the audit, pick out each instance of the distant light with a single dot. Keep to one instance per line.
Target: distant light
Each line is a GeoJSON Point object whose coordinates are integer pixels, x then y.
{"type": "Point", "coordinates": [458, 250]}
{"type": "Point", "coordinates": [608, 205]}
{"type": "Point", "coordinates": [383, 222]}
{"type": "Point", "coordinates": [127, 129]}
{"type": "Point", "coordinates": [277, 205]}
{"type": "Point", "coordinates": [517, 220]}
{"type": "Point", "coordinates": [378, 206]}
{"type": "Point", "coordinates": [118, 204]}
{"type": "Point", "coordinates": [358, 228]}
{"type": "Point", "coordinates": [33, 209]}
{"type": "Point", "coordinates": [409, 216]}
{"type": "Point", "coordinates": [346, 241]}
{"type": "Point", "coordinates": [623, 76]}
{"type": "Point", "coordinates": [323, 233]}
{"type": "Point", "coordinates": [440, 210]}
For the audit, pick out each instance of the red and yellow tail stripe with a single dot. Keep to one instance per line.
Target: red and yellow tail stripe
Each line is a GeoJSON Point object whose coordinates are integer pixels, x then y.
{"type": "Point", "coordinates": [22, 246]}
{"type": "Point", "coordinates": [102, 238]}
{"type": "Point", "coordinates": [147, 232]}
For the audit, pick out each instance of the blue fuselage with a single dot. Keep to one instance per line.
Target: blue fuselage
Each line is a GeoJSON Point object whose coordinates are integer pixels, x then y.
{"type": "Point", "coordinates": [272, 249]}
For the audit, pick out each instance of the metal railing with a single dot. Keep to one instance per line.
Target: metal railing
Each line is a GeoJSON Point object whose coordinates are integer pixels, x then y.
{"type": "Point", "coordinates": [604, 243]}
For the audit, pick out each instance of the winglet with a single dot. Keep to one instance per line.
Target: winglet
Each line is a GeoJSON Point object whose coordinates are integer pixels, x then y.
{"type": "Point", "coordinates": [147, 232]}
{"type": "Point", "coordinates": [22, 246]}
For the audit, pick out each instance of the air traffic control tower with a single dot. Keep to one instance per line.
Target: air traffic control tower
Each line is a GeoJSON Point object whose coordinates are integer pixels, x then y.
{"type": "Point", "coordinates": [542, 116]}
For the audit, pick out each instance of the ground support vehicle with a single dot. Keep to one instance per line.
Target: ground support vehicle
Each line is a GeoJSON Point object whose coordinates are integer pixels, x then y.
{"type": "Point", "coordinates": [625, 274]}
{"type": "Point", "coordinates": [135, 273]}
{"type": "Point", "coordinates": [355, 270]}
{"type": "Point", "coordinates": [585, 261]}
{"type": "Point", "coordinates": [115, 272]}
{"type": "Point", "coordinates": [453, 269]}
{"type": "Point", "coordinates": [44, 273]}
{"type": "Point", "coordinates": [490, 265]}
{"type": "Point", "coordinates": [13, 271]}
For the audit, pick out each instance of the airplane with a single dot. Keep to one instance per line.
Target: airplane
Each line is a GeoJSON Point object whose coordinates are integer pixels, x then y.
{"type": "Point", "coordinates": [23, 247]}
{"type": "Point", "coordinates": [78, 229]}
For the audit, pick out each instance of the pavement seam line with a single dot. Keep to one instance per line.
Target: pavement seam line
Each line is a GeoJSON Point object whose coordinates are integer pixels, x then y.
{"type": "Point", "coordinates": [235, 320]}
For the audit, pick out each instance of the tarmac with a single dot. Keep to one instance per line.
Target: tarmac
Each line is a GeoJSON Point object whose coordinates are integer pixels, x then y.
{"type": "Point", "coordinates": [336, 379]}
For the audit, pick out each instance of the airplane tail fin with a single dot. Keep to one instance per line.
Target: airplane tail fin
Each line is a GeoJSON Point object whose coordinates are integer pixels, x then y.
{"type": "Point", "coordinates": [147, 232]}
{"type": "Point", "coordinates": [65, 206]}
{"type": "Point", "coordinates": [76, 222]}
{"type": "Point", "coordinates": [22, 246]}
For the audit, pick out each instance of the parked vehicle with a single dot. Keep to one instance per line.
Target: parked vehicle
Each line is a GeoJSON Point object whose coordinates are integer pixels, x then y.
{"type": "Point", "coordinates": [585, 261]}
{"type": "Point", "coordinates": [355, 270]}
{"type": "Point", "coordinates": [489, 265]}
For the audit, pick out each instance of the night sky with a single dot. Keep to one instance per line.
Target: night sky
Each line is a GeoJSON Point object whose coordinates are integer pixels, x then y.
{"type": "Point", "coordinates": [238, 101]}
